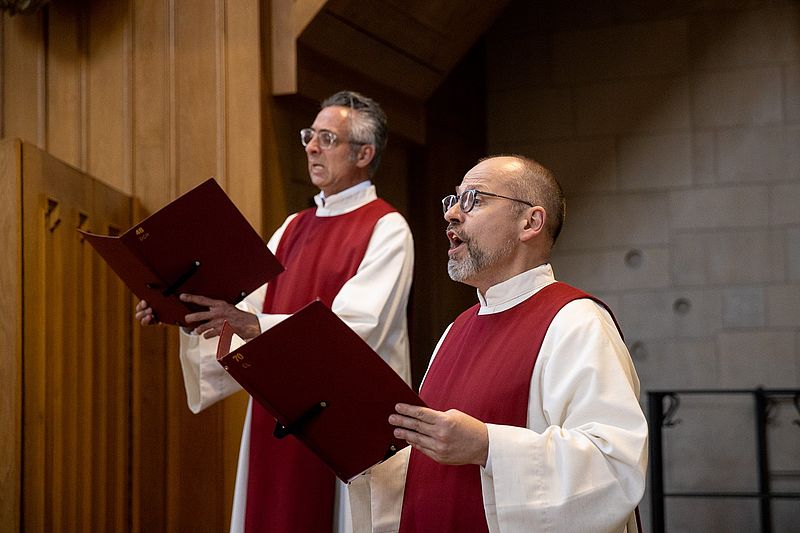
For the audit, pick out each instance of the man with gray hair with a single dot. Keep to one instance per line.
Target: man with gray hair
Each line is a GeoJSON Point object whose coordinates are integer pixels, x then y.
{"type": "Point", "coordinates": [353, 251]}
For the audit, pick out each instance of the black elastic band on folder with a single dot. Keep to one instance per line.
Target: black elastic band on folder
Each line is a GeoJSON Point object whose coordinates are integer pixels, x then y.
{"type": "Point", "coordinates": [172, 289]}
{"type": "Point", "coordinates": [281, 431]}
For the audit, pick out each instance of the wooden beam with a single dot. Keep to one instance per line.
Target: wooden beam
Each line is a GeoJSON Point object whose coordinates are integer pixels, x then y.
{"type": "Point", "coordinates": [288, 20]}
{"type": "Point", "coordinates": [283, 48]}
{"type": "Point", "coordinates": [337, 40]}
{"type": "Point", "coordinates": [319, 77]}
{"type": "Point", "coordinates": [303, 12]}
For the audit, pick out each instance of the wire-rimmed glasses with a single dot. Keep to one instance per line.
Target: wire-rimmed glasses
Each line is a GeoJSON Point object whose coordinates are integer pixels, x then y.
{"type": "Point", "coordinates": [466, 200]}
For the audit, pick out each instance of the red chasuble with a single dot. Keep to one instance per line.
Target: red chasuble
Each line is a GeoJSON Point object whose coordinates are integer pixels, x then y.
{"type": "Point", "coordinates": [289, 489]}
{"type": "Point", "coordinates": [483, 368]}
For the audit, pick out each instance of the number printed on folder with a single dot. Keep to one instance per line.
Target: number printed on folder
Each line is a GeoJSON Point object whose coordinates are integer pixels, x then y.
{"type": "Point", "coordinates": [141, 234]}
{"type": "Point", "coordinates": [239, 358]}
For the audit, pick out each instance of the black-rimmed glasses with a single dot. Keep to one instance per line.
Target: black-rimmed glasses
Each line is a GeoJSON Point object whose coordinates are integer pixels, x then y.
{"type": "Point", "coordinates": [466, 200]}
{"type": "Point", "coordinates": [325, 138]}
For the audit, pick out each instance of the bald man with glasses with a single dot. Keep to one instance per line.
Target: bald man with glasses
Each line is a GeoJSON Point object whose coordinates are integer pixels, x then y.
{"type": "Point", "coordinates": [354, 251]}
{"type": "Point", "coordinates": [533, 421]}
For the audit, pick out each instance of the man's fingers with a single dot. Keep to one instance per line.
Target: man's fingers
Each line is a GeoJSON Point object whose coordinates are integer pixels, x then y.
{"type": "Point", "coordinates": [427, 445]}
{"type": "Point", "coordinates": [200, 300]}
{"type": "Point", "coordinates": [413, 424]}
{"type": "Point", "coordinates": [211, 333]}
{"type": "Point", "coordinates": [404, 422]}
{"type": "Point", "coordinates": [200, 316]}
{"type": "Point", "coordinates": [205, 326]}
{"type": "Point", "coordinates": [413, 437]}
{"type": "Point", "coordinates": [424, 414]}
{"type": "Point", "coordinates": [144, 314]}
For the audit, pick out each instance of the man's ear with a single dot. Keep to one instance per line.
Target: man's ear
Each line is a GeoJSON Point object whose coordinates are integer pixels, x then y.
{"type": "Point", "coordinates": [533, 224]}
{"type": "Point", "coordinates": [365, 154]}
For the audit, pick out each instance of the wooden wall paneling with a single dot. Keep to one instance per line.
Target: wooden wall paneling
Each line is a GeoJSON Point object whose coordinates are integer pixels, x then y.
{"type": "Point", "coordinates": [242, 88]}
{"type": "Point", "coordinates": [53, 197]}
{"type": "Point", "coordinates": [67, 487]}
{"type": "Point", "coordinates": [23, 78]}
{"type": "Point", "coordinates": [65, 67]}
{"type": "Point", "coordinates": [117, 397]}
{"type": "Point", "coordinates": [153, 182]}
{"type": "Point", "coordinates": [148, 420]}
{"type": "Point", "coordinates": [198, 85]}
{"type": "Point", "coordinates": [201, 152]}
{"type": "Point", "coordinates": [89, 320]}
{"type": "Point", "coordinates": [108, 113]}
{"type": "Point", "coordinates": [10, 334]}
{"type": "Point", "coordinates": [111, 210]}
{"type": "Point", "coordinates": [99, 412]}
{"type": "Point", "coordinates": [53, 320]}
{"type": "Point", "coordinates": [68, 282]}
{"type": "Point", "coordinates": [36, 216]}
{"type": "Point", "coordinates": [2, 75]}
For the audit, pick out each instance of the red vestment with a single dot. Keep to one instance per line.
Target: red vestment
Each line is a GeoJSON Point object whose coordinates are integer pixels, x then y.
{"type": "Point", "coordinates": [483, 368]}
{"type": "Point", "coordinates": [289, 489]}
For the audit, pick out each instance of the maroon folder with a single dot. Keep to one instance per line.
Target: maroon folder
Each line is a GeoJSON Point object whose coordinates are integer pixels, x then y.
{"type": "Point", "coordinates": [199, 244]}
{"type": "Point", "coordinates": [324, 385]}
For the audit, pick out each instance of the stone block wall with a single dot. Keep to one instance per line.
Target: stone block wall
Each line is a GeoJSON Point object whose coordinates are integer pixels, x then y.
{"type": "Point", "coordinates": [674, 129]}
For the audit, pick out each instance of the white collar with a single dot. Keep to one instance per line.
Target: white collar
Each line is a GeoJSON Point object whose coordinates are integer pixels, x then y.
{"type": "Point", "coordinates": [516, 290]}
{"type": "Point", "coordinates": [345, 201]}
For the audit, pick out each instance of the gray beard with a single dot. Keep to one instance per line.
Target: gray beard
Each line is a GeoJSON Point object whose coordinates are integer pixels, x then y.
{"type": "Point", "coordinates": [476, 260]}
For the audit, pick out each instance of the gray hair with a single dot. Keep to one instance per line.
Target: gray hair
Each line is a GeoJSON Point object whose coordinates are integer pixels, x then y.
{"type": "Point", "coordinates": [367, 125]}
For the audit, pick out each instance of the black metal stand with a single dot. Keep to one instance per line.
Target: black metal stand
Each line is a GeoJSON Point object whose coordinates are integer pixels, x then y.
{"type": "Point", "coordinates": [183, 278]}
{"type": "Point", "coordinates": [661, 418]}
{"type": "Point", "coordinates": [281, 431]}
{"type": "Point", "coordinates": [173, 287]}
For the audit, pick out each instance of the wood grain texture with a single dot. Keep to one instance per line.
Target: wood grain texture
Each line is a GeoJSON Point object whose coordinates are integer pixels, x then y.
{"type": "Point", "coordinates": [10, 334]}
{"type": "Point", "coordinates": [108, 113]}
{"type": "Point", "coordinates": [153, 182]}
{"type": "Point", "coordinates": [283, 56]}
{"type": "Point", "coordinates": [23, 78]}
{"type": "Point", "coordinates": [73, 470]}
{"type": "Point", "coordinates": [196, 87]}
{"type": "Point", "coordinates": [241, 44]}
{"type": "Point", "coordinates": [64, 83]}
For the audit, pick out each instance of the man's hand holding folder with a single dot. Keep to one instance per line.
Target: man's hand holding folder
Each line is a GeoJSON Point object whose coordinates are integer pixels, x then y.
{"type": "Point", "coordinates": [209, 323]}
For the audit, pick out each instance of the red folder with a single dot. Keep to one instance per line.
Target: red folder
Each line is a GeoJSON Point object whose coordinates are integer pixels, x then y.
{"type": "Point", "coordinates": [324, 385]}
{"type": "Point", "coordinates": [199, 244]}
